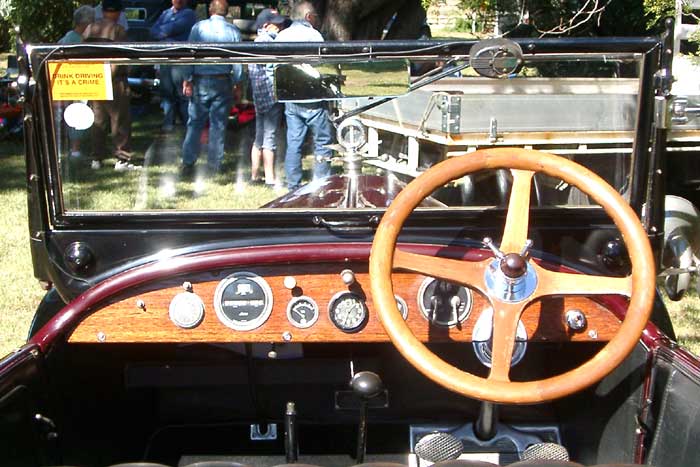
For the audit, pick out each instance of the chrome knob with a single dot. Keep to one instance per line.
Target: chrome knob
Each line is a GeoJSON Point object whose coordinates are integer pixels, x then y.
{"type": "Point", "coordinates": [347, 276]}
{"type": "Point", "coordinates": [576, 320]}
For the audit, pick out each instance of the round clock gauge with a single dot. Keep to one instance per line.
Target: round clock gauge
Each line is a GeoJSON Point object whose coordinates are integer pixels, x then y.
{"type": "Point", "coordinates": [348, 311]}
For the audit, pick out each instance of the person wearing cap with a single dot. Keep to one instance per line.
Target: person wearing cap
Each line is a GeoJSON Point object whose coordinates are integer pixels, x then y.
{"type": "Point", "coordinates": [115, 111]}
{"type": "Point", "coordinates": [210, 89]}
{"type": "Point", "coordinates": [122, 21]}
{"type": "Point", "coordinates": [173, 25]}
{"type": "Point", "coordinates": [268, 112]}
{"type": "Point", "coordinates": [308, 115]}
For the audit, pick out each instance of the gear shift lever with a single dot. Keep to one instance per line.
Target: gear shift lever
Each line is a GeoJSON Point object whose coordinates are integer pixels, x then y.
{"type": "Point", "coordinates": [366, 385]}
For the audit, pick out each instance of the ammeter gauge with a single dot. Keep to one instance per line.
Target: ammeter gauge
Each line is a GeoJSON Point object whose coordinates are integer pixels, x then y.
{"type": "Point", "coordinates": [302, 312]}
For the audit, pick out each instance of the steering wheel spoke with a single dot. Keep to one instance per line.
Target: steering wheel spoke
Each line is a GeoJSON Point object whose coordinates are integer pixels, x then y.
{"type": "Point", "coordinates": [518, 217]}
{"type": "Point", "coordinates": [505, 325]}
{"type": "Point", "coordinates": [468, 273]}
{"type": "Point", "coordinates": [562, 283]}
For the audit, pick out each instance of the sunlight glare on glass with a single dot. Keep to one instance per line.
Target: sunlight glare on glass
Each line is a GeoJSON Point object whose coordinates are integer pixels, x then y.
{"type": "Point", "coordinates": [200, 185]}
{"type": "Point", "coordinates": [167, 188]}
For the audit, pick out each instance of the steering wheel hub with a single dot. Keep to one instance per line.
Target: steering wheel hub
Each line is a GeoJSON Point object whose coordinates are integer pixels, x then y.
{"type": "Point", "coordinates": [501, 286]}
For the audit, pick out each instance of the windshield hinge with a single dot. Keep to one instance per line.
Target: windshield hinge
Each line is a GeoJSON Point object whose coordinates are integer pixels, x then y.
{"type": "Point", "coordinates": [349, 226]}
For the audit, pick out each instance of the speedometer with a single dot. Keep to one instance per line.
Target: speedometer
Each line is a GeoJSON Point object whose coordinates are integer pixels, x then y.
{"type": "Point", "coordinates": [243, 301]}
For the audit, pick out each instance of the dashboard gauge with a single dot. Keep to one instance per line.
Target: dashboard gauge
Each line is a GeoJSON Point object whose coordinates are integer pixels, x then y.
{"type": "Point", "coordinates": [401, 305]}
{"type": "Point", "coordinates": [444, 303]}
{"type": "Point", "coordinates": [186, 310]}
{"type": "Point", "coordinates": [348, 311]}
{"type": "Point", "coordinates": [243, 301]}
{"type": "Point", "coordinates": [302, 312]}
{"type": "Point", "coordinates": [482, 342]}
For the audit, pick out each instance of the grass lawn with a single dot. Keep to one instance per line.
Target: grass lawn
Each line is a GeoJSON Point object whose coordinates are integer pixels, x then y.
{"type": "Point", "coordinates": [22, 292]}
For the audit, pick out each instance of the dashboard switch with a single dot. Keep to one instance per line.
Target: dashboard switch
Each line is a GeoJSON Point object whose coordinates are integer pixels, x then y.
{"type": "Point", "coordinates": [347, 276]}
{"type": "Point", "coordinates": [290, 282]}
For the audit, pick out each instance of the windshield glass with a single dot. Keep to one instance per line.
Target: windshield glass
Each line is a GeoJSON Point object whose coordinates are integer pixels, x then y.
{"type": "Point", "coordinates": [304, 153]}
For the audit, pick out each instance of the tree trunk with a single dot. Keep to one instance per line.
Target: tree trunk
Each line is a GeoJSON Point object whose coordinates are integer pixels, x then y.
{"type": "Point", "coordinates": [366, 19]}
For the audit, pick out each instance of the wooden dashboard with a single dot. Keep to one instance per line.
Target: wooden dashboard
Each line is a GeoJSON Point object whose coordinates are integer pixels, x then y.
{"type": "Point", "coordinates": [143, 315]}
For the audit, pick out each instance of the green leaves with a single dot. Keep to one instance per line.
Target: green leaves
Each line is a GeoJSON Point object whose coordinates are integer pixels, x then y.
{"type": "Point", "coordinates": [38, 21]}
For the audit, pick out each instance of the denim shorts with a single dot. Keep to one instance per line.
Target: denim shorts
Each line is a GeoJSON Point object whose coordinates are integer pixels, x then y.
{"type": "Point", "coordinates": [266, 125]}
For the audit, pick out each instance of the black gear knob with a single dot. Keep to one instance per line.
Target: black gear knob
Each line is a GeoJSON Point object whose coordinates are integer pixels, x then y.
{"type": "Point", "coordinates": [366, 384]}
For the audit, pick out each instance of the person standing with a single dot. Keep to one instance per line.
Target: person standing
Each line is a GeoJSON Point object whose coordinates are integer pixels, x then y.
{"type": "Point", "coordinates": [115, 111]}
{"type": "Point", "coordinates": [121, 20]}
{"type": "Point", "coordinates": [268, 112]}
{"type": "Point", "coordinates": [302, 116]}
{"type": "Point", "coordinates": [173, 25]}
{"type": "Point", "coordinates": [210, 89]}
{"type": "Point", "coordinates": [82, 17]}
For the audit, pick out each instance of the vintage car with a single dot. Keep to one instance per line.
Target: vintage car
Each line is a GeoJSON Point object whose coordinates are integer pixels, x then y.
{"type": "Point", "coordinates": [496, 307]}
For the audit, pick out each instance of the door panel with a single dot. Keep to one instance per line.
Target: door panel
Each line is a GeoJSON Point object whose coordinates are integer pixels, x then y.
{"type": "Point", "coordinates": [20, 434]}
{"type": "Point", "coordinates": [676, 410]}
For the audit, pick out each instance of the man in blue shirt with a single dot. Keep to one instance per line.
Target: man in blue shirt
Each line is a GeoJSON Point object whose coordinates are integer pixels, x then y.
{"type": "Point", "coordinates": [302, 116]}
{"type": "Point", "coordinates": [173, 25]}
{"type": "Point", "coordinates": [210, 89]}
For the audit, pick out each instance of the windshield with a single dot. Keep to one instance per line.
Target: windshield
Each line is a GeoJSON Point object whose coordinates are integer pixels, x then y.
{"type": "Point", "coordinates": [243, 153]}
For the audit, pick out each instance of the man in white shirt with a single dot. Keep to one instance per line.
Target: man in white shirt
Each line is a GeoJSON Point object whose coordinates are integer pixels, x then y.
{"type": "Point", "coordinates": [302, 116]}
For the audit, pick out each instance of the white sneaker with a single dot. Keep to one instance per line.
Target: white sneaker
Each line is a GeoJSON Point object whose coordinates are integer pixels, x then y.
{"type": "Point", "coordinates": [96, 165]}
{"type": "Point", "coordinates": [122, 166]}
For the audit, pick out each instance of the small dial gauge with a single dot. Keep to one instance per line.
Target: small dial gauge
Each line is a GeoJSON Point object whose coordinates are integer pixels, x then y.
{"type": "Point", "coordinates": [186, 310]}
{"type": "Point", "coordinates": [444, 303]}
{"type": "Point", "coordinates": [243, 301]}
{"type": "Point", "coordinates": [302, 312]}
{"type": "Point", "coordinates": [401, 305]}
{"type": "Point", "coordinates": [348, 311]}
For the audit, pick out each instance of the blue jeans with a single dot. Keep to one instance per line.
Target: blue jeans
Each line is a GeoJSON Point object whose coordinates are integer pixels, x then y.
{"type": "Point", "coordinates": [212, 97]}
{"type": "Point", "coordinates": [266, 124]}
{"type": "Point", "coordinates": [300, 118]}
{"type": "Point", "coordinates": [171, 99]}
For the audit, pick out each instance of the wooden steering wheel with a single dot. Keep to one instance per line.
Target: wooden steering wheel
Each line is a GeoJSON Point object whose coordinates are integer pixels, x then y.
{"type": "Point", "coordinates": [509, 268]}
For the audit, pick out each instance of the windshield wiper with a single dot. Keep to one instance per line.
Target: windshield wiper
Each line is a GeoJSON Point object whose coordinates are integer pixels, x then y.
{"type": "Point", "coordinates": [448, 69]}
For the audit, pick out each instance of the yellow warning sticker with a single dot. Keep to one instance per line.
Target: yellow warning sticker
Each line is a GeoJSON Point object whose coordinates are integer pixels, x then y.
{"type": "Point", "coordinates": [80, 81]}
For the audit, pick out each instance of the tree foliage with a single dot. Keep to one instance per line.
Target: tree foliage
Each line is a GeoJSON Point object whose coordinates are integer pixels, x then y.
{"type": "Point", "coordinates": [572, 17]}
{"type": "Point", "coordinates": [38, 21]}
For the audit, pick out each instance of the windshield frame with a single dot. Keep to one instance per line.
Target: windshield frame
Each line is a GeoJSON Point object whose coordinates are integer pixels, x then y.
{"type": "Point", "coordinates": [44, 159]}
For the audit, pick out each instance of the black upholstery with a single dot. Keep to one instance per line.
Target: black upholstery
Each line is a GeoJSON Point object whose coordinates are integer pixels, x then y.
{"type": "Point", "coordinates": [464, 463]}
{"type": "Point", "coordinates": [218, 464]}
{"type": "Point", "coordinates": [378, 464]}
{"type": "Point", "coordinates": [545, 463]}
{"type": "Point", "coordinates": [139, 464]}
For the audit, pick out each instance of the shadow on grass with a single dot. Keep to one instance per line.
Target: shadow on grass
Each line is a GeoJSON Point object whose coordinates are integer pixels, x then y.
{"type": "Point", "coordinates": [12, 167]}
